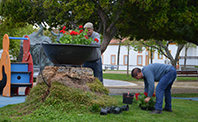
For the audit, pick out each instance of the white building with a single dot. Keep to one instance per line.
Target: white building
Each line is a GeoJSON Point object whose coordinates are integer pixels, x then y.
{"type": "Point", "coordinates": [140, 59]}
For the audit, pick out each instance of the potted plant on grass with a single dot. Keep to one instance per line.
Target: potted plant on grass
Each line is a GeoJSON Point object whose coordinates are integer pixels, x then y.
{"type": "Point", "coordinates": [151, 103]}
{"type": "Point", "coordinates": [139, 97]}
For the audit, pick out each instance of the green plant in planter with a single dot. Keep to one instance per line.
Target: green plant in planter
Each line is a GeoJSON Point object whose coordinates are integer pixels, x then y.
{"type": "Point", "coordinates": [140, 97]}
{"type": "Point", "coordinates": [77, 36]}
{"type": "Point", "coordinates": [151, 102]}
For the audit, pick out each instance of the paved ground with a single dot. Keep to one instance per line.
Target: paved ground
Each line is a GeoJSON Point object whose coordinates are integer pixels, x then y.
{"type": "Point", "coordinates": [117, 87]}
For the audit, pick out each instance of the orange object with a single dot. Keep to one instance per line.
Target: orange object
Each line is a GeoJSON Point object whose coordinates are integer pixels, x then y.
{"type": "Point", "coordinates": [5, 62]}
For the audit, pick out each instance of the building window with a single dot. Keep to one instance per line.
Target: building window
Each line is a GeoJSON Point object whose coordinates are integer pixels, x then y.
{"type": "Point", "coordinates": [140, 49]}
{"type": "Point", "coordinates": [113, 59]}
{"type": "Point", "coordinates": [160, 56]}
{"type": "Point", "coordinates": [139, 60]}
{"type": "Point", "coordinates": [125, 59]}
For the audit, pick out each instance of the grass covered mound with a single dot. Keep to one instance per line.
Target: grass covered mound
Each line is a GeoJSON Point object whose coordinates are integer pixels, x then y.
{"type": "Point", "coordinates": [65, 98]}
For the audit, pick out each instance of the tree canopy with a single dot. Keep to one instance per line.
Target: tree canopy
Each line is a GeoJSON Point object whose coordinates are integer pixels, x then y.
{"type": "Point", "coordinates": [175, 20]}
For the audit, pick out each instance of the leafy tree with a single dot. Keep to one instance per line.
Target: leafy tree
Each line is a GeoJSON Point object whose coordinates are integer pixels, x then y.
{"type": "Point", "coordinates": [161, 47]}
{"type": "Point", "coordinates": [103, 14]}
{"type": "Point", "coordinates": [120, 39]}
{"type": "Point", "coordinates": [164, 20]}
{"type": "Point", "coordinates": [143, 19]}
{"type": "Point", "coordinates": [186, 47]}
{"type": "Point", "coordinates": [15, 32]}
{"type": "Point", "coordinates": [127, 43]}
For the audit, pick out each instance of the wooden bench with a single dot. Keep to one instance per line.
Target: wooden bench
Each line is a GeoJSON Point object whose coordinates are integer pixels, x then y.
{"type": "Point", "coordinates": [112, 67]}
{"type": "Point", "coordinates": [187, 73]}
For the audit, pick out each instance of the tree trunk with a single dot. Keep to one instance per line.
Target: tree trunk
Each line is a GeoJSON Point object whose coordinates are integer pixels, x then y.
{"type": "Point", "coordinates": [118, 58]}
{"type": "Point", "coordinates": [186, 48]}
{"type": "Point", "coordinates": [151, 56]}
{"type": "Point", "coordinates": [174, 61]}
{"type": "Point", "coordinates": [128, 61]}
{"type": "Point", "coordinates": [106, 39]}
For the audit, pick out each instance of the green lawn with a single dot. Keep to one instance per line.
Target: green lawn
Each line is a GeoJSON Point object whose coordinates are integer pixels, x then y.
{"type": "Point", "coordinates": [124, 77]}
{"type": "Point", "coordinates": [183, 111]}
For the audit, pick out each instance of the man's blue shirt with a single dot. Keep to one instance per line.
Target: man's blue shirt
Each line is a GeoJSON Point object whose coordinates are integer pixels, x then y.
{"type": "Point", "coordinates": [153, 72]}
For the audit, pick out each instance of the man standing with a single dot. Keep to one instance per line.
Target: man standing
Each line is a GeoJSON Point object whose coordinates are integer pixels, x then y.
{"type": "Point", "coordinates": [94, 62]}
{"type": "Point", "coordinates": [163, 73]}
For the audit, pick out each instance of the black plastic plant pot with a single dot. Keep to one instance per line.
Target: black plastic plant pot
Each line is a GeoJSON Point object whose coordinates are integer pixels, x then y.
{"type": "Point", "coordinates": [125, 108]}
{"type": "Point", "coordinates": [103, 111]}
{"type": "Point", "coordinates": [140, 105]}
{"type": "Point", "coordinates": [117, 110]}
{"type": "Point", "coordinates": [128, 98]}
{"type": "Point", "coordinates": [71, 54]}
{"type": "Point", "coordinates": [143, 108]}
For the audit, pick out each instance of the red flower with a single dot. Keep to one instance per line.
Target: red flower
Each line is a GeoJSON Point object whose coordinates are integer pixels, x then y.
{"type": "Point", "coordinates": [146, 94]}
{"type": "Point", "coordinates": [64, 28]}
{"type": "Point", "coordinates": [80, 31]}
{"type": "Point", "coordinates": [96, 40]}
{"type": "Point", "coordinates": [86, 36]}
{"type": "Point", "coordinates": [154, 95]}
{"type": "Point", "coordinates": [74, 33]}
{"type": "Point", "coordinates": [136, 96]}
{"type": "Point", "coordinates": [80, 26]}
{"type": "Point", "coordinates": [61, 31]}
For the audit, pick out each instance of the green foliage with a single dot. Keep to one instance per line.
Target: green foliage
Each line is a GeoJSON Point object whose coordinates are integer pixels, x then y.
{"type": "Point", "coordinates": [66, 98]}
{"type": "Point", "coordinates": [97, 86]}
{"type": "Point", "coordinates": [123, 77]}
{"type": "Point", "coordinates": [78, 38]}
{"type": "Point", "coordinates": [142, 19]}
{"type": "Point", "coordinates": [95, 108]}
{"type": "Point", "coordinates": [168, 20]}
{"type": "Point", "coordinates": [187, 95]}
{"type": "Point", "coordinates": [183, 110]}
{"type": "Point", "coordinates": [15, 32]}
{"type": "Point", "coordinates": [141, 98]}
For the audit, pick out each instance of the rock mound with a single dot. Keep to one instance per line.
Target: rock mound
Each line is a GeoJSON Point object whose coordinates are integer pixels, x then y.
{"type": "Point", "coordinates": [73, 86]}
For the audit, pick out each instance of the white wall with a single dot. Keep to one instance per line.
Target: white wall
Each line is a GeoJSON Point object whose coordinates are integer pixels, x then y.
{"type": "Point", "coordinates": [113, 50]}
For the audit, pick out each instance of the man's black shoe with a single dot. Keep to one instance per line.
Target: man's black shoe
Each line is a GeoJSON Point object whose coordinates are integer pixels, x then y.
{"type": "Point", "coordinates": [155, 111]}
{"type": "Point", "coordinates": [165, 109]}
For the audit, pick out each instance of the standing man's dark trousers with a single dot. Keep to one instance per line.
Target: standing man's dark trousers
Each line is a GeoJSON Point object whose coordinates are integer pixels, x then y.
{"type": "Point", "coordinates": [96, 66]}
{"type": "Point", "coordinates": [164, 87]}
